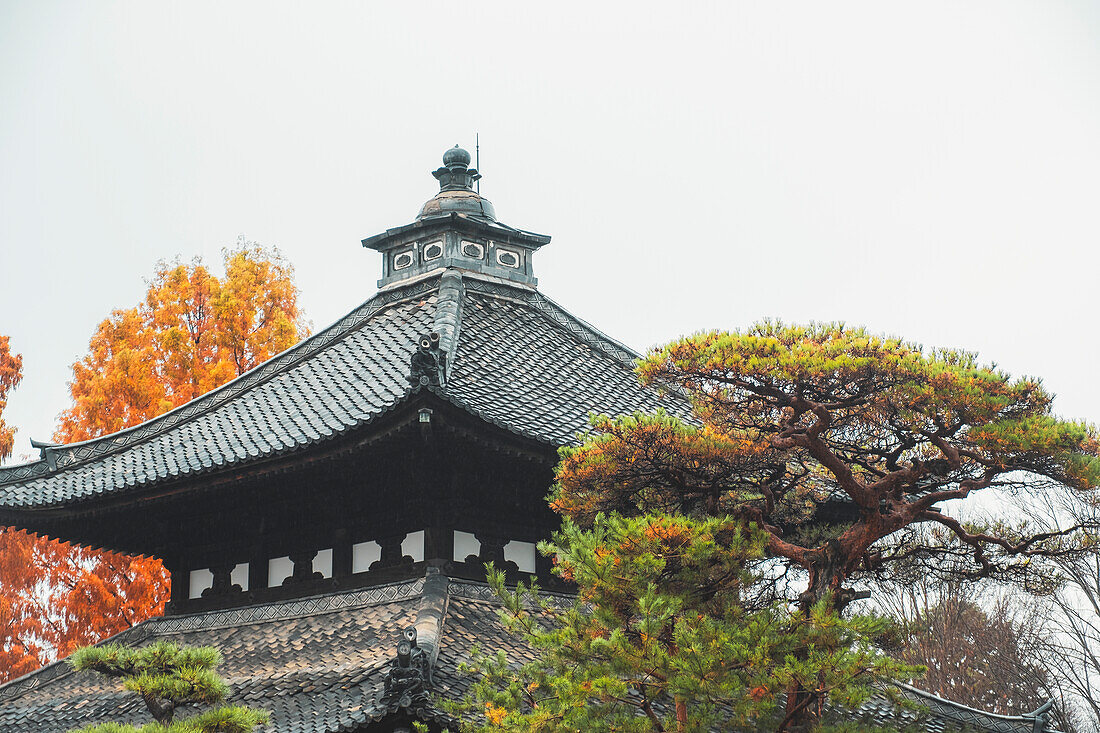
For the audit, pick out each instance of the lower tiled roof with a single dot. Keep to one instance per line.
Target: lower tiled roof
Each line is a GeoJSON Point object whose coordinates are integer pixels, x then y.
{"type": "Point", "coordinates": [314, 671]}
{"type": "Point", "coordinates": [319, 665]}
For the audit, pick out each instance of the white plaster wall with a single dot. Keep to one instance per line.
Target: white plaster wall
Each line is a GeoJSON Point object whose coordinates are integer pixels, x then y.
{"type": "Point", "coordinates": [239, 576]}
{"type": "Point", "coordinates": [278, 569]}
{"type": "Point", "coordinates": [413, 545]}
{"type": "Point", "coordinates": [322, 562]}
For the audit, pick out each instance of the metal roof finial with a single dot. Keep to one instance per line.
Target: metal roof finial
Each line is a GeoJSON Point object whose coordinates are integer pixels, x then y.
{"type": "Point", "coordinates": [456, 173]}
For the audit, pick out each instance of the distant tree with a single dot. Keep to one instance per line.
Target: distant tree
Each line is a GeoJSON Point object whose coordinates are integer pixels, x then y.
{"type": "Point", "coordinates": [1069, 618]}
{"type": "Point", "coordinates": [20, 650]}
{"type": "Point", "coordinates": [978, 649]}
{"type": "Point", "coordinates": [193, 332]}
{"type": "Point", "coordinates": [844, 447]}
{"type": "Point", "coordinates": [660, 637]}
{"type": "Point", "coordinates": [166, 677]}
{"type": "Point", "coordinates": [21, 624]}
{"type": "Point", "coordinates": [55, 597]}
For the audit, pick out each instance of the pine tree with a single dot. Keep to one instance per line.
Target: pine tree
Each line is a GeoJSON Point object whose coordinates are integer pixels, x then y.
{"type": "Point", "coordinates": [851, 451]}
{"type": "Point", "coordinates": [168, 677]}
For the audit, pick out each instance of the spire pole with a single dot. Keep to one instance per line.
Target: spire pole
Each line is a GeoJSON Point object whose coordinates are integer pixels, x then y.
{"type": "Point", "coordinates": [477, 159]}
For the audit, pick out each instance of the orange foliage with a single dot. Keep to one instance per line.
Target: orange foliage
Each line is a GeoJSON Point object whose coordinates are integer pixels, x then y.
{"type": "Point", "coordinates": [494, 714]}
{"type": "Point", "coordinates": [194, 332]}
{"type": "Point", "coordinates": [55, 598]}
{"type": "Point", "coordinates": [11, 372]}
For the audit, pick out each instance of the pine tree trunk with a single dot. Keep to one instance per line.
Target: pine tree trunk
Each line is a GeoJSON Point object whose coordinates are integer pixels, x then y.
{"type": "Point", "coordinates": [163, 711]}
{"type": "Point", "coordinates": [681, 715]}
{"type": "Point", "coordinates": [826, 577]}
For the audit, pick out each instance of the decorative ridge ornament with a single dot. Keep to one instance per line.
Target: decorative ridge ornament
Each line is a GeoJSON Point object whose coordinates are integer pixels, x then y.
{"type": "Point", "coordinates": [409, 675]}
{"type": "Point", "coordinates": [428, 364]}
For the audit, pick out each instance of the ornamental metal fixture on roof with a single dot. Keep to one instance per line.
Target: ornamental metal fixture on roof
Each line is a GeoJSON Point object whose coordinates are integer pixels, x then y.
{"type": "Point", "coordinates": [457, 229]}
{"type": "Point", "coordinates": [428, 364]}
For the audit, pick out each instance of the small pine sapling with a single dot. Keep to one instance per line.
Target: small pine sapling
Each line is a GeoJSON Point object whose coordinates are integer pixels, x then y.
{"type": "Point", "coordinates": [167, 676]}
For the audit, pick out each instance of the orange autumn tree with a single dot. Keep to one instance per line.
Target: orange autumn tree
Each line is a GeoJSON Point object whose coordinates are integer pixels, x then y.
{"type": "Point", "coordinates": [55, 597]}
{"type": "Point", "coordinates": [193, 332]}
{"type": "Point", "coordinates": [11, 373]}
{"type": "Point", "coordinates": [20, 651]}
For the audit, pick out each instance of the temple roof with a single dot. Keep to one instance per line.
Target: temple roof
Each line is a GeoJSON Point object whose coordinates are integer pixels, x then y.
{"type": "Point", "coordinates": [320, 665]}
{"type": "Point", "coordinates": [515, 359]}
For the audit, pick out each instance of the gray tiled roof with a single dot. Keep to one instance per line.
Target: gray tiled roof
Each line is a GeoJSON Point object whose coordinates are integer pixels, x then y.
{"type": "Point", "coordinates": [530, 366]}
{"type": "Point", "coordinates": [319, 664]}
{"type": "Point", "coordinates": [518, 360]}
{"type": "Point", "coordinates": [316, 665]}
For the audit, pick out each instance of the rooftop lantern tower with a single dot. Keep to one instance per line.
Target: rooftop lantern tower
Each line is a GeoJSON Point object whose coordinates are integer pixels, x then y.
{"type": "Point", "coordinates": [456, 229]}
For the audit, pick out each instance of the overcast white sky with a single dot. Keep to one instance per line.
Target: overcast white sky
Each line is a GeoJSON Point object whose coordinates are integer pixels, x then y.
{"type": "Point", "coordinates": [929, 170]}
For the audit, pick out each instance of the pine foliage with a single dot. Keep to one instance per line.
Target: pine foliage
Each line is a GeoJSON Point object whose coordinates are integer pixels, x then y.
{"type": "Point", "coordinates": [167, 676]}
{"type": "Point", "coordinates": [659, 638]}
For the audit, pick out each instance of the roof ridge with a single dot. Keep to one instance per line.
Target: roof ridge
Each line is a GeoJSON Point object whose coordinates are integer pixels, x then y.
{"type": "Point", "coordinates": [432, 614]}
{"type": "Point", "coordinates": [448, 315]}
{"type": "Point", "coordinates": [288, 609]}
{"type": "Point", "coordinates": [226, 618]}
{"type": "Point", "coordinates": [70, 455]}
{"type": "Point", "coordinates": [34, 678]}
{"type": "Point", "coordinates": [966, 714]}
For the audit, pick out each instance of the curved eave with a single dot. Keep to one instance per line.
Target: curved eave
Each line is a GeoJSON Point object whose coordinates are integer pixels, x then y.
{"type": "Point", "coordinates": [368, 347]}
{"type": "Point", "coordinates": [127, 492]}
